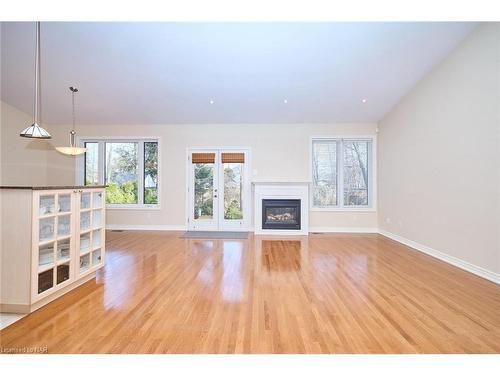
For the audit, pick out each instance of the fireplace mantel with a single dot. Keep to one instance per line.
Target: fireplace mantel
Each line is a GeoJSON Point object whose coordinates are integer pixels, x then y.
{"type": "Point", "coordinates": [281, 190]}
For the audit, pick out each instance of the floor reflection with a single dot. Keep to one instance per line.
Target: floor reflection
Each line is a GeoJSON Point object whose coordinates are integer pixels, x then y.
{"type": "Point", "coordinates": [281, 255]}
{"type": "Point", "coordinates": [232, 278]}
{"type": "Point", "coordinates": [121, 268]}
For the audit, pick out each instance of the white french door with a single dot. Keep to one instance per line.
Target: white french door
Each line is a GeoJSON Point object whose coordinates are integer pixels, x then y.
{"type": "Point", "coordinates": [218, 189]}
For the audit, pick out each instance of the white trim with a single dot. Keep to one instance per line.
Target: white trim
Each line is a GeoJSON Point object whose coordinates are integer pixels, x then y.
{"type": "Point", "coordinates": [476, 270]}
{"type": "Point", "coordinates": [145, 227]}
{"type": "Point", "coordinates": [372, 174]}
{"type": "Point", "coordinates": [343, 230]}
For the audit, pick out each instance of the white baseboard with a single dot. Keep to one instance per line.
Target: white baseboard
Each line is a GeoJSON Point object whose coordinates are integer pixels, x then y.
{"type": "Point", "coordinates": [145, 227]}
{"type": "Point", "coordinates": [476, 270]}
{"type": "Point", "coordinates": [343, 230]}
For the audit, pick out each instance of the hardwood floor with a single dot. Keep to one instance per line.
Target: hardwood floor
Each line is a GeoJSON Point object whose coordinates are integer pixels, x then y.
{"type": "Point", "coordinates": [339, 293]}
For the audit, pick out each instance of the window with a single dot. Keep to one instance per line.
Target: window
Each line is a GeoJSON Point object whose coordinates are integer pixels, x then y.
{"type": "Point", "coordinates": [342, 172]}
{"type": "Point", "coordinates": [128, 168]}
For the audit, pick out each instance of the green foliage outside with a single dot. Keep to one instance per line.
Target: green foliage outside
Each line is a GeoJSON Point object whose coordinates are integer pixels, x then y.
{"type": "Point", "coordinates": [121, 194]}
{"type": "Point", "coordinates": [203, 190]}
{"type": "Point", "coordinates": [232, 192]}
{"type": "Point", "coordinates": [233, 211]}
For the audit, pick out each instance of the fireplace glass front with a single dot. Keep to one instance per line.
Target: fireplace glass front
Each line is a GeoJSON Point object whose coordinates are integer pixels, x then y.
{"type": "Point", "coordinates": [281, 214]}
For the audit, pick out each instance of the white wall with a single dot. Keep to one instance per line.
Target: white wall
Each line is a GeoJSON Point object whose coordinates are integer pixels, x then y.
{"type": "Point", "coordinates": [279, 152]}
{"type": "Point", "coordinates": [24, 161]}
{"type": "Point", "coordinates": [439, 156]}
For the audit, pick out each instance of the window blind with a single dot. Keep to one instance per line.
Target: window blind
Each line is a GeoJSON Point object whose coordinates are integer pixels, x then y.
{"type": "Point", "coordinates": [203, 158]}
{"type": "Point", "coordinates": [233, 157]}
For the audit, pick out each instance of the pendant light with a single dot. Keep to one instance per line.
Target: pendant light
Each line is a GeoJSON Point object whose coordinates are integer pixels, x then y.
{"type": "Point", "coordinates": [72, 150]}
{"type": "Point", "coordinates": [35, 130]}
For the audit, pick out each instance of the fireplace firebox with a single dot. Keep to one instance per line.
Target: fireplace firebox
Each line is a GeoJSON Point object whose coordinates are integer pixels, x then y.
{"type": "Point", "coordinates": [281, 214]}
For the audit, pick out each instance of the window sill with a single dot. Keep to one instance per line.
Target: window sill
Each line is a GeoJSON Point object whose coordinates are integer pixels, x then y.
{"type": "Point", "coordinates": [137, 207]}
{"type": "Point", "coordinates": [343, 209]}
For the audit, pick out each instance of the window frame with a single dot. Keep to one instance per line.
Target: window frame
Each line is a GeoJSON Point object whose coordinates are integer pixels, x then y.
{"type": "Point", "coordinates": [372, 173]}
{"type": "Point", "coordinates": [101, 141]}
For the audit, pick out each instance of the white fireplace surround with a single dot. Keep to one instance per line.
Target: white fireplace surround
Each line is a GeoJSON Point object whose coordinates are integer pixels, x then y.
{"type": "Point", "coordinates": [281, 190]}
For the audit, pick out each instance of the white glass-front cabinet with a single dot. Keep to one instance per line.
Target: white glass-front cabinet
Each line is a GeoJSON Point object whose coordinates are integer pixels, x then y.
{"type": "Point", "coordinates": [67, 243]}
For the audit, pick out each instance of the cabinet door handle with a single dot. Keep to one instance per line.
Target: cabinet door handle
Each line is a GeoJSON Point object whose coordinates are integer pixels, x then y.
{"type": "Point", "coordinates": [75, 191]}
{"type": "Point", "coordinates": [80, 191]}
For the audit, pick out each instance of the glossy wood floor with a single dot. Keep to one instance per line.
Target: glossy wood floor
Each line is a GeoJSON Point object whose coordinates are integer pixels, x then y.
{"type": "Point", "coordinates": [318, 294]}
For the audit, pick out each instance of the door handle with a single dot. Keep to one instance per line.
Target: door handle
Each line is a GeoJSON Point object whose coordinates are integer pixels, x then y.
{"type": "Point", "coordinates": [215, 196]}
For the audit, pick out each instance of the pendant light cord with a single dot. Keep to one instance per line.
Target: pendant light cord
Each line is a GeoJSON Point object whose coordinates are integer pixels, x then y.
{"type": "Point", "coordinates": [73, 104]}
{"type": "Point", "coordinates": [36, 114]}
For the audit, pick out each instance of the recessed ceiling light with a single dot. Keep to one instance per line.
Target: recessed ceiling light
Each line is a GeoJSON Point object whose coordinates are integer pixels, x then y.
{"type": "Point", "coordinates": [212, 101]}
{"type": "Point", "coordinates": [285, 101]}
{"type": "Point", "coordinates": [364, 100]}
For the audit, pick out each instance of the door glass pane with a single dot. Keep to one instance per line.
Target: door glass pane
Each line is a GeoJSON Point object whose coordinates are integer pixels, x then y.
{"type": "Point", "coordinates": [63, 225]}
{"type": "Point", "coordinates": [121, 172]}
{"type": "Point", "coordinates": [62, 273]}
{"type": "Point", "coordinates": [96, 239]}
{"type": "Point", "coordinates": [85, 201]}
{"type": "Point", "coordinates": [97, 199]}
{"type": "Point", "coordinates": [46, 205]}
{"type": "Point", "coordinates": [84, 242]}
{"type": "Point", "coordinates": [46, 255]}
{"type": "Point", "coordinates": [324, 173]}
{"type": "Point", "coordinates": [91, 163]}
{"type": "Point", "coordinates": [85, 220]}
{"type": "Point", "coordinates": [203, 191]}
{"type": "Point", "coordinates": [46, 230]}
{"type": "Point", "coordinates": [96, 257]}
{"type": "Point", "coordinates": [63, 249]}
{"type": "Point", "coordinates": [45, 280]}
{"type": "Point", "coordinates": [64, 202]}
{"type": "Point", "coordinates": [96, 219]}
{"type": "Point", "coordinates": [233, 209]}
{"type": "Point", "coordinates": [356, 173]}
{"type": "Point", "coordinates": [84, 262]}
{"type": "Point", "coordinates": [150, 172]}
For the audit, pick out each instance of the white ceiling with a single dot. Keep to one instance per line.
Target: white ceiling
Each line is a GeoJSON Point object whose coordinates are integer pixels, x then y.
{"type": "Point", "coordinates": [158, 73]}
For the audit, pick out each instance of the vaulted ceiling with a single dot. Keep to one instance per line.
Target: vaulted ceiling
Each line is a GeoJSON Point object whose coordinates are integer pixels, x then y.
{"type": "Point", "coordinates": [160, 73]}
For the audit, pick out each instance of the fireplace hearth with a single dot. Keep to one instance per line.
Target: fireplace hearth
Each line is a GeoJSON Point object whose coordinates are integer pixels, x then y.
{"type": "Point", "coordinates": [281, 214]}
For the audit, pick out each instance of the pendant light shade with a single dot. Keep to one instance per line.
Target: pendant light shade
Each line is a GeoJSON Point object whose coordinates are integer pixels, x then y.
{"type": "Point", "coordinates": [35, 130]}
{"type": "Point", "coordinates": [72, 149]}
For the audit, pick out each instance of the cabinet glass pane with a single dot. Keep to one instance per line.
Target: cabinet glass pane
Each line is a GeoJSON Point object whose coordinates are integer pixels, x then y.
{"type": "Point", "coordinates": [45, 280]}
{"type": "Point", "coordinates": [62, 273]}
{"type": "Point", "coordinates": [97, 200]}
{"type": "Point", "coordinates": [63, 225]}
{"type": "Point", "coordinates": [64, 202]}
{"type": "Point", "coordinates": [84, 262]}
{"type": "Point", "coordinates": [96, 257]}
{"type": "Point", "coordinates": [85, 220]}
{"type": "Point", "coordinates": [96, 219]}
{"type": "Point", "coordinates": [85, 201]}
{"type": "Point", "coordinates": [63, 248]}
{"type": "Point", "coordinates": [46, 254]}
{"type": "Point", "coordinates": [47, 203]}
{"type": "Point", "coordinates": [84, 242]}
{"type": "Point", "coordinates": [96, 239]}
{"type": "Point", "coordinates": [46, 229]}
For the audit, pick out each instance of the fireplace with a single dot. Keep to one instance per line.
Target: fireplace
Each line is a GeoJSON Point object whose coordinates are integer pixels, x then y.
{"type": "Point", "coordinates": [281, 214]}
